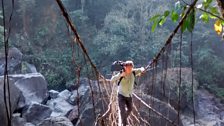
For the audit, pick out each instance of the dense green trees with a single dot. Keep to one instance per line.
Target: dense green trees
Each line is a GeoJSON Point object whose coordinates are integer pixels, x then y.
{"type": "Point", "coordinates": [126, 35]}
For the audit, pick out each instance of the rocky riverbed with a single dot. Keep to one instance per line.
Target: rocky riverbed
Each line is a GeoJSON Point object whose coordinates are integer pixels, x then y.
{"type": "Point", "coordinates": [209, 110]}
{"type": "Point", "coordinates": [33, 104]}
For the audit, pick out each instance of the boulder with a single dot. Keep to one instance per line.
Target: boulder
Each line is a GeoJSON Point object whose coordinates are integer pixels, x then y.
{"type": "Point", "coordinates": [53, 94]}
{"type": "Point", "coordinates": [14, 61]}
{"type": "Point", "coordinates": [73, 98]}
{"type": "Point", "coordinates": [33, 87]}
{"type": "Point", "coordinates": [15, 53]}
{"type": "Point", "coordinates": [83, 92]}
{"type": "Point", "coordinates": [65, 103]}
{"type": "Point", "coordinates": [17, 120]}
{"type": "Point", "coordinates": [65, 94]}
{"type": "Point", "coordinates": [28, 68]}
{"type": "Point", "coordinates": [16, 65]}
{"type": "Point", "coordinates": [87, 117]}
{"type": "Point", "coordinates": [168, 90]}
{"type": "Point", "coordinates": [27, 91]}
{"type": "Point", "coordinates": [21, 103]}
{"type": "Point", "coordinates": [15, 95]}
{"type": "Point", "coordinates": [88, 113]}
{"type": "Point", "coordinates": [73, 115]}
{"type": "Point", "coordinates": [153, 118]}
{"type": "Point", "coordinates": [56, 121]}
{"type": "Point", "coordinates": [59, 105]}
{"type": "Point", "coordinates": [36, 113]}
{"type": "Point", "coordinates": [29, 124]}
{"type": "Point", "coordinates": [208, 109]}
{"type": "Point", "coordinates": [222, 123]}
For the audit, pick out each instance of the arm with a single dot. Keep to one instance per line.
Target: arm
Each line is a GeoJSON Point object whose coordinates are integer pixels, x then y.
{"type": "Point", "coordinates": [116, 77]}
{"type": "Point", "coordinates": [138, 71]}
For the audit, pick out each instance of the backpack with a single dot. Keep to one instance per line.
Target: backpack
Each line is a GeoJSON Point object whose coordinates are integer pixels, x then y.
{"type": "Point", "coordinates": [133, 72]}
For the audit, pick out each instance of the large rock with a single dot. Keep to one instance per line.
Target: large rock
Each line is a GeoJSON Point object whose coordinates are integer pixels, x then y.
{"type": "Point", "coordinates": [87, 117]}
{"type": "Point", "coordinates": [53, 94]}
{"type": "Point", "coordinates": [36, 113]}
{"type": "Point", "coordinates": [15, 95]}
{"type": "Point", "coordinates": [66, 103]}
{"type": "Point", "coordinates": [29, 124]}
{"type": "Point", "coordinates": [167, 90]}
{"type": "Point", "coordinates": [73, 99]}
{"type": "Point", "coordinates": [59, 105]}
{"type": "Point", "coordinates": [73, 115]}
{"type": "Point", "coordinates": [88, 110]}
{"type": "Point", "coordinates": [83, 93]}
{"type": "Point", "coordinates": [17, 120]}
{"type": "Point", "coordinates": [209, 110]}
{"type": "Point", "coordinates": [65, 94]}
{"type": "Point", "coordinates": [28, 68]}
{"type": "Point", "coordinates": [33, 87]}
{"type": "Point", "coordinates": [24, 89]}
{"type": "Point", "coordinates": [14, 61]}
{"type": "Point", "coordinates": [16, 65]}
{"type": "Point", "coordinates": [56, 121]}
{"type": "Point", "coordinates": [161, 107]}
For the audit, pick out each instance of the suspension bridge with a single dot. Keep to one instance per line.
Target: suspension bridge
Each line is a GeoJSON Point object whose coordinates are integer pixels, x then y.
{"type": "Point", "coordinates": [108, 115]}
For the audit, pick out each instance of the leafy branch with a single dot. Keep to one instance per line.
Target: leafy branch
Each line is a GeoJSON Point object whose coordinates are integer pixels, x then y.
{"type": "Point", "coordinates": [209, 12]}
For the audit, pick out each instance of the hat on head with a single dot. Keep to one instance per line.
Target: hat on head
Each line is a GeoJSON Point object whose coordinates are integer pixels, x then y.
{"type": "Point", "coordinates": [129, 62]}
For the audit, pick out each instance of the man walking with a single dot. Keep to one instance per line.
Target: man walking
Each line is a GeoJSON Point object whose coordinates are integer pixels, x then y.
{"type": "Point", "coordinates": [126, 81]}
